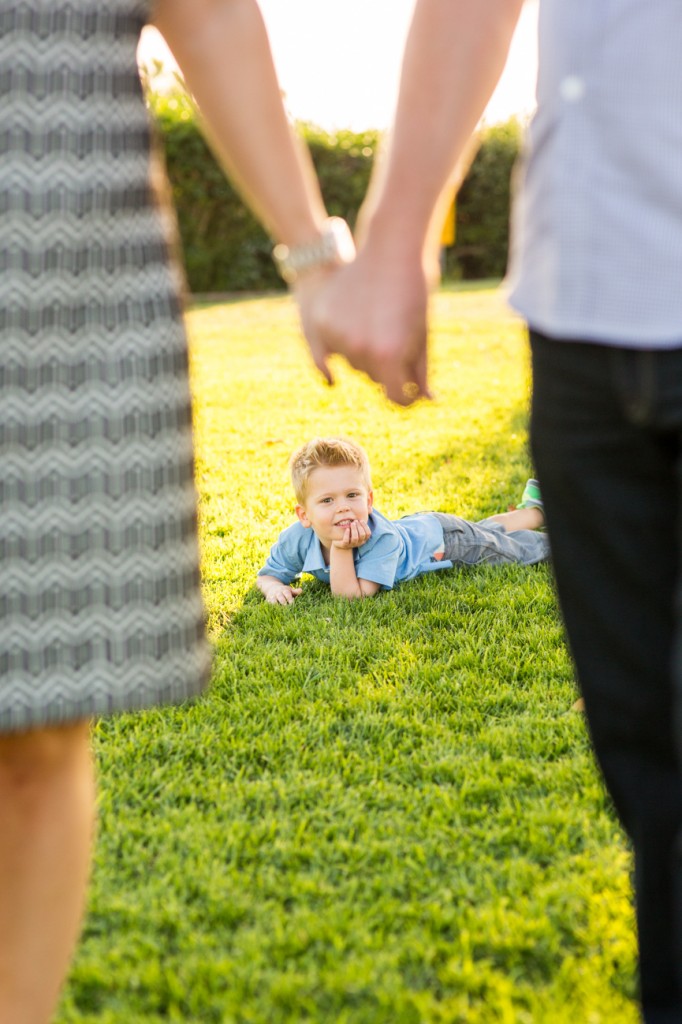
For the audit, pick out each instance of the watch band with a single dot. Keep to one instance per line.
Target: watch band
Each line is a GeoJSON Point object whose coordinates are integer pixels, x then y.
{"type": "Point", "coordinates": [334, 247]}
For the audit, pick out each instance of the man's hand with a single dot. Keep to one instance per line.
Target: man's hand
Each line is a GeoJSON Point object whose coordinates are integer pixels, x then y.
{"type": "Point", "coordinates": [354, 536]}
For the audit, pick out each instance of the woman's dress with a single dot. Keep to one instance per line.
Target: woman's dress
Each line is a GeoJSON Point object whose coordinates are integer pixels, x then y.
{"type": "Point", "coordinates": [100, 604]}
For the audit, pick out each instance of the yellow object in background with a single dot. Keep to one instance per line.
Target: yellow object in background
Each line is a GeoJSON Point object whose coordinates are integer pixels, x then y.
{"type": "Point", "coordinates": [447, 237]}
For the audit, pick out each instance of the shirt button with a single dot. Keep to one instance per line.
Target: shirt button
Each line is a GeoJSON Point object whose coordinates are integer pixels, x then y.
{"type": "Point", "coordinates": [572, 88]}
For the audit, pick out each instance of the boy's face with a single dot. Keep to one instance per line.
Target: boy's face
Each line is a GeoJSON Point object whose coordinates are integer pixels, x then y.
{"type": "Point", "coordinates": [336, 495]}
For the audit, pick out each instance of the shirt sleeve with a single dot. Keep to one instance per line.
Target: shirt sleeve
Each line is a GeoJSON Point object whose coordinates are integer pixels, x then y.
{"type": "Point", "coordinates": [283, 563]}
{"type": "Point", "coordinates": [379, 563]}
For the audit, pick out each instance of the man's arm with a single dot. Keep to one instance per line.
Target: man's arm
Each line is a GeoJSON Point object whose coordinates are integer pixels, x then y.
{"type": "Point", "coordinates": [374, 310]}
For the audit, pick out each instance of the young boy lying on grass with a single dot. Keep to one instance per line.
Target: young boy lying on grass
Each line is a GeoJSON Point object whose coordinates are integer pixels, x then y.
{"type": "Point", "coordinates": [341, 539]}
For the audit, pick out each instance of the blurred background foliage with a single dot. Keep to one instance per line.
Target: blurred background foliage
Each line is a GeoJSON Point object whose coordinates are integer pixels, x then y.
{"type": "Point", "coordinates": [226, 250]}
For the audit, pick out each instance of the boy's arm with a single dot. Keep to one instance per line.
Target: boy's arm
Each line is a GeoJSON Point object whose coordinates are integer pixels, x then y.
{"type": "Point", "coordinates": [276, 592]}
{"type": "Point", "coordinates": [343, 578]}
{"type": "Point", "coordinates": [282, 566]}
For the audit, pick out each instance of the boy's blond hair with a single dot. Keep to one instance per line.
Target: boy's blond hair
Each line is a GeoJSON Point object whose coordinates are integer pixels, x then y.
{"type": "Point", "coordinates": [325, 451]}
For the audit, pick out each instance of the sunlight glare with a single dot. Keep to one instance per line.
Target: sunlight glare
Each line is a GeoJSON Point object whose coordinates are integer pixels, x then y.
{"type": "Point", "coordinates": [339, 62]}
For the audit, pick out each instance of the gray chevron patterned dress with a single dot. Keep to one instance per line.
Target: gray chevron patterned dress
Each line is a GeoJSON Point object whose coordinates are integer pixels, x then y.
{"type": "Point", "coordinates": [100, 606]}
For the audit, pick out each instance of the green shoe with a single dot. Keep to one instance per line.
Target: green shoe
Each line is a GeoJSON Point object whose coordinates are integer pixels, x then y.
{"type": "Point", "coordinates": [531, 497]}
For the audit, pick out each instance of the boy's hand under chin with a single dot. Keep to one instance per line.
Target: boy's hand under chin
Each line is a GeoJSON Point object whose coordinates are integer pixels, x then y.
{"type": "Point", "coordinates": [354, 536]}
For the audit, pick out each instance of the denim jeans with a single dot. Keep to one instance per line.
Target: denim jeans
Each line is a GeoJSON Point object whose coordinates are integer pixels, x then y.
{"type": "Point", "coordinates": [606, 431]}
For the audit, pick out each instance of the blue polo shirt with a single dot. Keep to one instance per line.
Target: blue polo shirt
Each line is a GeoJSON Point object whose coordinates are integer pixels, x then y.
{"type": "Point", "coordinates": [396, 551]}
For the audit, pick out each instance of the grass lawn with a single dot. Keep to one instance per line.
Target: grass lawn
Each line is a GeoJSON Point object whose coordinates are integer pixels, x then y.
{"type": "Point", "coordinates": [383, 812]}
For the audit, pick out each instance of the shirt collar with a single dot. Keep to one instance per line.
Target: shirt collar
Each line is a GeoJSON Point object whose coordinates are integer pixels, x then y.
{"type": "Point", "coordinates": [314, 559]}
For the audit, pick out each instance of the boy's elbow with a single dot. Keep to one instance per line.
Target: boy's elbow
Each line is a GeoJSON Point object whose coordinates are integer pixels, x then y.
{"type": "Point", "coordinates": [355, 595]}
{"type": "Point", "coordinates": [347, 595]}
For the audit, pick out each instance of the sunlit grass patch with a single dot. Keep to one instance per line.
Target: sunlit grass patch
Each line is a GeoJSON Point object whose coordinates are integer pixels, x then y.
{"type": "Point", "coordinates": [383, 812]}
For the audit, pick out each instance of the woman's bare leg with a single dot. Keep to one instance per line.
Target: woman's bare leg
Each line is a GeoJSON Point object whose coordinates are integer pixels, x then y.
{"type": "Point", "coordinates": [47, 802]}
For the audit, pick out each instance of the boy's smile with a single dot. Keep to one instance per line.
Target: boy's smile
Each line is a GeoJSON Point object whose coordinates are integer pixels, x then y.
{"type": "Point", "coordinates": [336, 496]}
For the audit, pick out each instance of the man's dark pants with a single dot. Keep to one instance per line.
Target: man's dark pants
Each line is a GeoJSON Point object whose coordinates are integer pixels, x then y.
{"type": "Point", "coordinates": [607, 443]}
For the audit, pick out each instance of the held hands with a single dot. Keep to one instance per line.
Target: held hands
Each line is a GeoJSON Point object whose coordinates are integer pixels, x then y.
{"type": "Point", "coordinates": [354, 536]}
{"type": "Point", "coordinates": [372, 311]}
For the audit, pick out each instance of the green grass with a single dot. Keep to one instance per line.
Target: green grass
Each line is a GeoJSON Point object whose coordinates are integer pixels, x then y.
{"type": "Point", "coordinates": [382, 812]}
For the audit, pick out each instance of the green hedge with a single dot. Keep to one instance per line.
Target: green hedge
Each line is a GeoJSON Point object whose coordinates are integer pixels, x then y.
{"type": "Point", "coordinates": [226, 250]}
{"type": "Point", "coordinates": [483, 201]}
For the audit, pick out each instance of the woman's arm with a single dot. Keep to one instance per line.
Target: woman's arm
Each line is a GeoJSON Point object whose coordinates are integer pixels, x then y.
{"type": "Point", "coordinates": [223, 51]}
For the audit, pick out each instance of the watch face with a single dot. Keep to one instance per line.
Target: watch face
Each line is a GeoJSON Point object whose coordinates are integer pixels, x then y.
{"type": "Point", "coordinates": [334, 246]}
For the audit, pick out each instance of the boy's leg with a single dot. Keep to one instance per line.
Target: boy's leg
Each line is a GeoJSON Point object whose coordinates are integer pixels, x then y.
{"type": "Point", "coordinates": [489, 543]}
{"type": "Point", "coordinates": [519, 519]}
{"type": "Point", "coordinates": [47, 799]}
{"type": "Point", "coordinates": [607, 453]}
{"type": "Point", "coordinates": [528, 514]}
